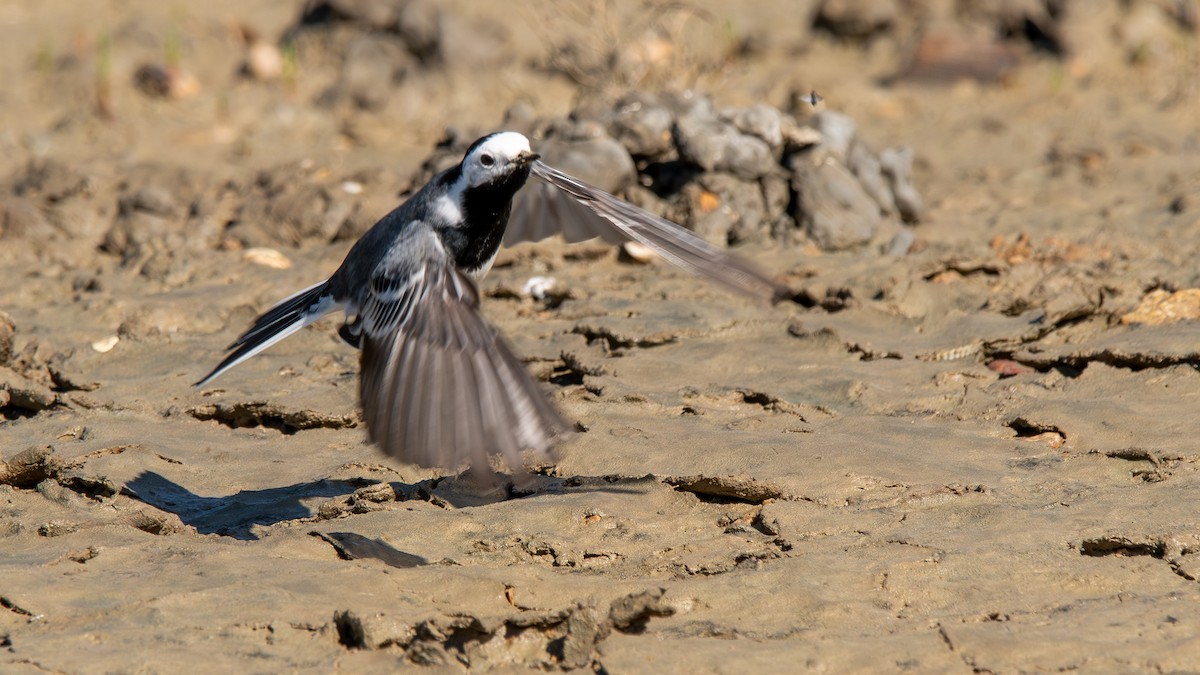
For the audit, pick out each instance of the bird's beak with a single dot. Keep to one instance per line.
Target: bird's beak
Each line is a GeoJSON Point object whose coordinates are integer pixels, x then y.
{"type": "Point", "coordinates": [525, 158]}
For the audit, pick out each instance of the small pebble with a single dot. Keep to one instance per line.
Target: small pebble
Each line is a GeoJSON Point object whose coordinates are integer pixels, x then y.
{"type": "Point", "coordinates": [106, 345]}
{"type": "Point", "coordinates": [267, 257]}
{"type": "Point", "coordinates": [638, 253]}
{"type": "Point", "coordinates": [538, 287]}
{"type": "Point", "coordinates": [1008, 367]}
{"type": "Point", "coordinates": [264, 61]}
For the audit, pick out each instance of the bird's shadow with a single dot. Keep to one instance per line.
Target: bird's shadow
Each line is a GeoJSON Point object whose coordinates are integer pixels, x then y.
{"type": "Point", "coordinates": [236, 515]}
{"type": "Point", "coordinates": [352, 546]}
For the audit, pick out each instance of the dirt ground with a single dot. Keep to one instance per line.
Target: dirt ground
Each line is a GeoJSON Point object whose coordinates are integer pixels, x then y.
{"type": "Point", "coordinates": [978, 453]}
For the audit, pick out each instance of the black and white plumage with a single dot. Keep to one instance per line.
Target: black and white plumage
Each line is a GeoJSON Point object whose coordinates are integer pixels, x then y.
{"type": "Point", "coordinates": [439, 385]}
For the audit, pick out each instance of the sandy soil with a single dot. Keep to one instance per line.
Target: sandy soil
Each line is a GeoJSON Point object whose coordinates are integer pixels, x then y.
{"type": "Point", "coordinates": [978, 456]}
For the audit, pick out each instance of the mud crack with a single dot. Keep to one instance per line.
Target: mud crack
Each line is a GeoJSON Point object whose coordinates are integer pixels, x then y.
{"type": "Point", "coordinates": [270, 415]}
{"type": "Point", "coordinates": [1037, 431]}
{"type": "Point", "coordinates": [614, 341]}
{"type": "Point", "coordinates": [1073, 365]}
{"type": "Point", "coordinates": [1179, 554]}
{"type": "Point", "coordinates": [572, 371]}
{"type": "Point", "coordinates": [725, 489]}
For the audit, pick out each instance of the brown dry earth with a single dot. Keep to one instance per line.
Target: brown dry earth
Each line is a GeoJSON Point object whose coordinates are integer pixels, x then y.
{"type": "Point", "coordinates": [979, 456]}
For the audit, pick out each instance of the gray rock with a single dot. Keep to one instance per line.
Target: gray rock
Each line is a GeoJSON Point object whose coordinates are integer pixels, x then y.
{"type": "Point", "coordinates": [714, 145]}
{"type": "Point", "coordinates": [599, 160]}
{"type": "Point", "coordinates": [777, 194]}
{"type": "Point", "coordinates": [724, 209]}
{"type": "Point", "coordinates": [746, 201]}
{"type": "Point", "coordinates": [759, 120]}
{"type": "Point", "coordinates": [857, 19]}
{"type": "Point", "coordinates": [897, 167]}
{"type": "Point", "coordinates": [866, 168]}
{"type": "Point", "coordinates": [643, 127]}
{"type": "Point", "coordinates": [900, 244]}
{"type": "Point", "coordinates": [838, 132]}
{"type": "Point", "coordinates": [831, 205]}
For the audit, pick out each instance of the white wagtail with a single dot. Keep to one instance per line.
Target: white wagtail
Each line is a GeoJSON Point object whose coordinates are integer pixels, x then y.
{"type": "Point", "coordinates": [439, 386]}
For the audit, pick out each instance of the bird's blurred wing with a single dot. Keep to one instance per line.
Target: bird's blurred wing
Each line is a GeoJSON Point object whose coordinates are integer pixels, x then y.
{"type": "Point", "coordinates": [541, 210]}
{"type": "Point", "coordinates": [615, 220]}
{"type": "Point", "coordinates": [439, 385]}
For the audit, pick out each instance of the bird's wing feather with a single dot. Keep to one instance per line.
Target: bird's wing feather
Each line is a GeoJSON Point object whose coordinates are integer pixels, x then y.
{"type": "Point", "coordinates": [547, 212]}
{"type": "Point", "coordinates": [541, 210]}
{"type": "Point", "coordinates": [439, 385]}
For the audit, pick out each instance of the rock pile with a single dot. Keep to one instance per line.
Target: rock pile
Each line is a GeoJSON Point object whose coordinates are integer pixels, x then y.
{"type": "Point", "coordinates": [731, 175]}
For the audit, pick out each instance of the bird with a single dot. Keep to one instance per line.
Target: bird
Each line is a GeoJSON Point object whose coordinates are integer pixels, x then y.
{"type": "Point", "coordinates": [439, 385]}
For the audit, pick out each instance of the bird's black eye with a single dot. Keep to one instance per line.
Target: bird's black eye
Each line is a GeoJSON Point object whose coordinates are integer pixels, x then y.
{"type": "Point", "coordinates": [486, 159]}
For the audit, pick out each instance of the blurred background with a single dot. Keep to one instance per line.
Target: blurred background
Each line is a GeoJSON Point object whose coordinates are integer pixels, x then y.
{"type": "Point", "coordinates": [104, 100]}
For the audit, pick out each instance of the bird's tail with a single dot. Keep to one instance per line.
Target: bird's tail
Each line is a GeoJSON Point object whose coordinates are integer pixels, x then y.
{"type": "Point", "coordinates": [286, 317]}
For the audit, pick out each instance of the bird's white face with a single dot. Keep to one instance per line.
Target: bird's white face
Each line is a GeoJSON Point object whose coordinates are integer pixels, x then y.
{"type": "Point", "coordinates": [495, 157]}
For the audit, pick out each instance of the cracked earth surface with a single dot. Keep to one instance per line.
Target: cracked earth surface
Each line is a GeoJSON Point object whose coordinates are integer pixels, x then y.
{"type": "Point", "coordinates": [981, 456]}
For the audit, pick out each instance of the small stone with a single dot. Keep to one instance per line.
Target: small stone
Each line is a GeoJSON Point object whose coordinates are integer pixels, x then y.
{"type": "Point", "coordinates": [900, 244]}
{"type": "Point", "coordinates": [897, 166]}
{"type": "Point", "coordinates": [642, 127]}
{"type": "Point", "coordinates": [538, 287]}
{"type": "Point", "coordinates": [267, 257]}
{"type": "Point", "coordinates": [159, 81]}
{"type": "Point", "coordinates": [632, 251]}
{"type": "Point", "coordinates": [837, 131]}
{"type": "Point", "coordinates": [105, 345]}
{"type": "Point", "coordinates": [831, 204]}
{"type": "Point", "coordinates": [264, 61]}
{"type": "Point", "coordinates": [724, 209]}
{"type": "Point", "coordinates": [869, 172]}
{"type": "Point", "coordinates": [1160, 307]}
{"type": "Point", "coordinates": [1008, 367]}
{"type": "Point", "coordinates": [761, 121]}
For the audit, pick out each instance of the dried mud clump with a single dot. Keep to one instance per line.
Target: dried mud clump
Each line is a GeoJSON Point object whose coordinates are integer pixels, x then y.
{"type": "Point", "coordinates": [562, 639]}
{"type": "Point", "coordinates": [31, 378]}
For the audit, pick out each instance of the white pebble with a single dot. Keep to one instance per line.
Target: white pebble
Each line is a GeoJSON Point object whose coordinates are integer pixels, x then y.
{"type": "Point", "coordinates": [105, 345]}
{"type": "Point", "coordinates": [267, 257]}
{"type": "Point", "coordinates": [538, 287]}
{"type": "Point", "coordinates": [639, 252]}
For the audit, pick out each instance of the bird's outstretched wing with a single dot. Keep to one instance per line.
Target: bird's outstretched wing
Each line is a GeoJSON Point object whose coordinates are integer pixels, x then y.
{"type": "Point", "coordinates": [544, 212]}
{"type": "Point", "coordinates": [439, 385]}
